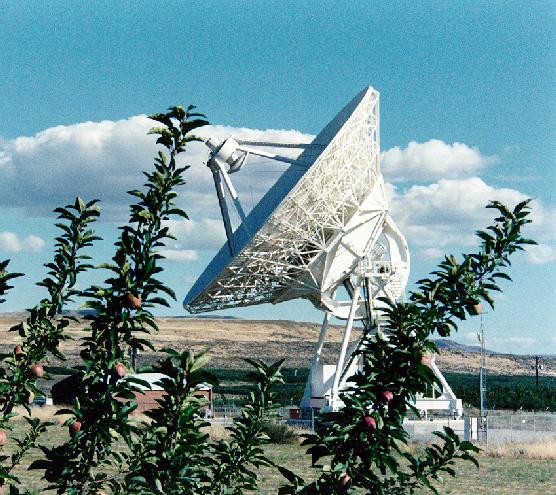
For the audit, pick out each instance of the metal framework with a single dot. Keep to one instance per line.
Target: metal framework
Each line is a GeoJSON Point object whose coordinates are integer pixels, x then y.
{"type": "Point", "coordinates": [322, 231]}
{"type": "Point", "coordinates": [318, 233]}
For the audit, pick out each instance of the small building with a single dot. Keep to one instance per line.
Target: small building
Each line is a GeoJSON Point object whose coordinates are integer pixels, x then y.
{"type": "Point", "coordinates": [149, 395]}
{"type": "Point", "coordinates": [64, 391]}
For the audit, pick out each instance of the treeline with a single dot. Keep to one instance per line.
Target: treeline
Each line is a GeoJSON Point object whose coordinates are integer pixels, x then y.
{"type": "Point", "coordinates": [503, 391]}
{"type": "Point", "coordinates": [233, 383]}
{"type": "Point", "coordinates": [506, 391]}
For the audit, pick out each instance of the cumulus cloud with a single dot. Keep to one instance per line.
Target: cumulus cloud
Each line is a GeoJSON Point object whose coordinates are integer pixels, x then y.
{"type": "Point", "coordinates": [446, 213]}
{"type": "Point", "coordinates": [90, 159]}
{"type": "Point", "coordinates": [540, 254]}
{"type": "Point", "coordinates": [179, 254]}
{"type": "Point", "coordinates": [207, 233]}
{"type": "Point", "coordinates": [104, 159]}
{"type": "Point", "coordinates": [433, 160]}
{"type": "Point", "coordinates": [10, 242]}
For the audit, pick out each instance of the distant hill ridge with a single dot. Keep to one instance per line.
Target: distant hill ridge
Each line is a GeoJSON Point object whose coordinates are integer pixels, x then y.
{"type": "Point", "coordinates": [231, 339]}
{"type": "Point", "coordinates": [452, 344]}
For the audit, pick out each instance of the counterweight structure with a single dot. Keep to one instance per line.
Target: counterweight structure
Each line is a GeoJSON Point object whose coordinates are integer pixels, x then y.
{"type": "Point", "coordinates": [323, 233]}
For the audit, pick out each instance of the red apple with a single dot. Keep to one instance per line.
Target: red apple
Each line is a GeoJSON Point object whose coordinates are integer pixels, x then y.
{"type": "Point", "coordinates": [37, 370]}
{"type": "Point", "coordinates": [3, 438]}
{"type": "Point", "coordinates": [426, 359]}
{"type": "Point", "coordinates": [475, 309]}
{"type": "Point", "coordinates": [74, 428]}
{"type": "Point", "coordinates": [119, 370]}
{"type": "Point", "coordinates": [387, 396]}
{"type": "Point", "coordinates": [369, 422]}
{"type": "Point", "coordinates": [132, 301]}
{"type": "Point", "coordinates": [18, 350]}
{"type": "Point", "coordinates": [344, 481]}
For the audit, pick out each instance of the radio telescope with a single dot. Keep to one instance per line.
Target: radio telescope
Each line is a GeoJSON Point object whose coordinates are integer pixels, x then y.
{"type": "Point", "coordinates": [323, 233]}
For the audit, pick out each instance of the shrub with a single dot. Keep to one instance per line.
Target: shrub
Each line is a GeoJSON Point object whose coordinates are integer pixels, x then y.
{"type": "Point", "coordinates": [281, 433]}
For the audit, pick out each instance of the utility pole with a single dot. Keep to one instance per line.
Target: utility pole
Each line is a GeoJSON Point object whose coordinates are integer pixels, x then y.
{"type": "Point", "coordinates": [482, 372]}
{"type": "Point", "coordinates": [537, 367]}
{"type": "Point", "coordinates": [132, 353]}
{"type": "Point", "coordinates": [482, 384]}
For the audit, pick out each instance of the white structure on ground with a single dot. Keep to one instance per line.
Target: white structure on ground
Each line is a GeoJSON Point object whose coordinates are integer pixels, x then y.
{"type": "Point", "coordinates": [323, 233]}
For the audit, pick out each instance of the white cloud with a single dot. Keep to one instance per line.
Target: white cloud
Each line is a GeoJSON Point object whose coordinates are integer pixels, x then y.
{"type": "Point", "coordinates": [449, 202]}
{"type": "Point", "coordinates": [540, 254]}
{"type": "Point", "coordinates": [522, 341]}
{"type": "Point", "coordinates": [446, 213]}
{"type": "Point", "coordinates": [104, 159]}
{"type": "Point", "coordinates": [207, 233]}
{"type": "Point", "coordinates": [432, 252]}
{"type": "Point", "coordinates": [90, 159]}
{"type": "Point", "coordinates": [180, 255]}
{"type": "Point", "coordinates": [433, 160]}
{"type": "Point", "coordinates": [10, 242]}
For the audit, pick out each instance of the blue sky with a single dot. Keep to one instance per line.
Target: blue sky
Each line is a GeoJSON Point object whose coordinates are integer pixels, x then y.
{"type": "Point", "coordinates": [77, 78]}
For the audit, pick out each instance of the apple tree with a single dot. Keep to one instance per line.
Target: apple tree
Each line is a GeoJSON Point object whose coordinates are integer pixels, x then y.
{"type": "Point", "coordinates": [43, 329]}
{"type": "Point", "coordinates": [360, 449]}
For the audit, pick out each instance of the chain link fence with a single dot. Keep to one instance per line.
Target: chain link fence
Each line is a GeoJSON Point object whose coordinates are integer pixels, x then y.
{"type": "Point", "coordinates": [519, 427]}
{"type": "Point", "coordinates": [497, 427]}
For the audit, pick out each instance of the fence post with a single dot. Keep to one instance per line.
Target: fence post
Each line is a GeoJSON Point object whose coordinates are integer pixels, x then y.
{"type": "Point", "coordinates": [511, 427]}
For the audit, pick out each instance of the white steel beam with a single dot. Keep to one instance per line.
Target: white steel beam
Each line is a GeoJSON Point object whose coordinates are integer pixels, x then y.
{"type": "Point", "coordinates": [343, 350]}
{"type": "Point", "coordinates": [307, 393]}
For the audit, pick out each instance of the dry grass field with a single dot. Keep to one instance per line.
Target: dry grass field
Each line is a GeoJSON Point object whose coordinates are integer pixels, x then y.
{"type": "Point", "coordinates": [505, 470]}
{"type": "Point", "coordinates": [496, 476]}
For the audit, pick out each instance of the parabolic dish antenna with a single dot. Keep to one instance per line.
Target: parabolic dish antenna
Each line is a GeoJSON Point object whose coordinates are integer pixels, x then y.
{"type": "Point", "coordinates": [326, 214]}
{"type": "Point", "coordinates": [321, 231]}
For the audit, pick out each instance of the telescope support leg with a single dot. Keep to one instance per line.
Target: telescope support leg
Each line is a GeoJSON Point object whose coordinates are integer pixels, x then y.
{"type": "Point", "coordinates": [343, 351]}
{"type": "Point", "coordinates": [308, 392]}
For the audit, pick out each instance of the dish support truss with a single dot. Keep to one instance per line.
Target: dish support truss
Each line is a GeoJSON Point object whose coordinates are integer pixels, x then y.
{"type": "Point", "coordinates": [331, 232]}
{"type": "Point", "coordinates": [326, 381]}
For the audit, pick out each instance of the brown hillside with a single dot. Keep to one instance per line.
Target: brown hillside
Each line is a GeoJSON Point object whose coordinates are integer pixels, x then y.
{"type": "Point", "coordinates": [230, 341]}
